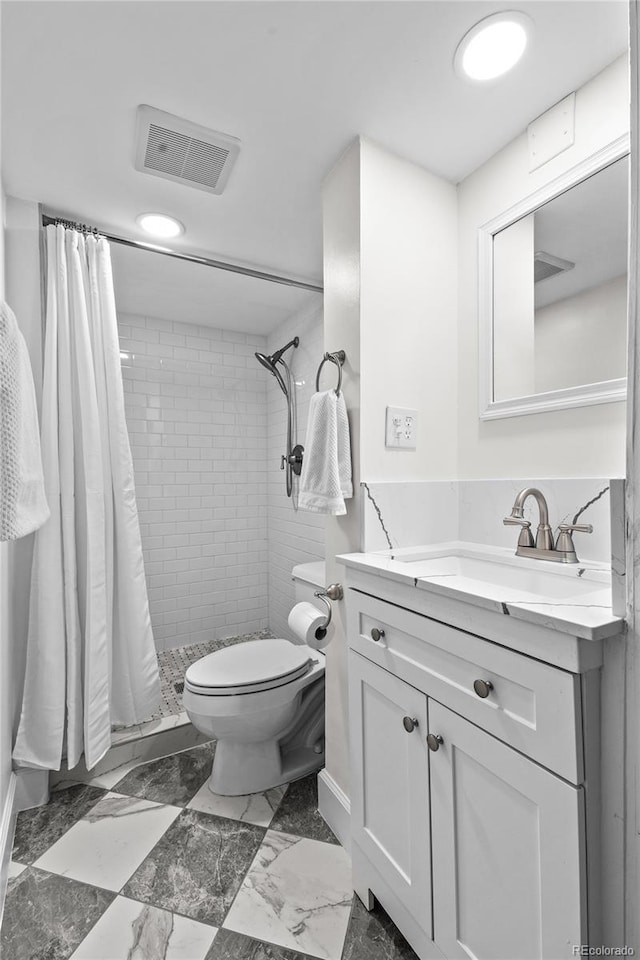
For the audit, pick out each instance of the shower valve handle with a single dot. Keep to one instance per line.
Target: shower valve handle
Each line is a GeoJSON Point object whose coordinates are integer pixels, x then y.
{"type": "Point", "coordinates": [294, 459]}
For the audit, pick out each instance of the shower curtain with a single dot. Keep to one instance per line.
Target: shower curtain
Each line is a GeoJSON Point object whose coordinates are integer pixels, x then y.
{"type": "Point", "coordinates": [91, 659]}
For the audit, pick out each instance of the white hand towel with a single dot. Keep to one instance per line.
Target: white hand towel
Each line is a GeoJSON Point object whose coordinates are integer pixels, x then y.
{"type": "Point", "coordinates": [325, 480]}
{"type": "Point", "coordinates": [23, 506]}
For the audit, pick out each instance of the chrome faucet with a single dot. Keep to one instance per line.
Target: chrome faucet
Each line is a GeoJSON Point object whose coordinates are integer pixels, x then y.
{"type": "Point", "coordinates": [543, 548]}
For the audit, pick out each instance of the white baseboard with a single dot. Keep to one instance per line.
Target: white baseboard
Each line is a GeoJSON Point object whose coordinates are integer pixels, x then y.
{"type": "Point", "coordinates": [7, 823]}
{"type": "Point", "coordinates": [335, 807]}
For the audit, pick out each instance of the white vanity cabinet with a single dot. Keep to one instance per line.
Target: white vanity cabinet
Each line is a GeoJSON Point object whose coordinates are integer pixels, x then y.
{"type": "Point", "coordinates": [509, 855]}
{"type": "Point", "coordinates": [476, 842]}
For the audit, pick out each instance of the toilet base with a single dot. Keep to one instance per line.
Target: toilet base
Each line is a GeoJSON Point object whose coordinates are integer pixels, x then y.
{"type": "Point", "coordinates": [243, 768]}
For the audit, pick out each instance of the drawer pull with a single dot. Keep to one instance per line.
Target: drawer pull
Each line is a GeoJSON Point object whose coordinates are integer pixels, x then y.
{"type": "Point", "coordinates": [433, 741]}
{"type": "Point", "coordinates": [409, 723]}
{"type": "Point", "coordinates": [483, 688]}
{"type": "Point", "coordinates": [377, 634]}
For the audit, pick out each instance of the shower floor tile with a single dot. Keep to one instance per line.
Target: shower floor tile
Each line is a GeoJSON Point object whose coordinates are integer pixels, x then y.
{"type": "Point", "coordinates": [118, 876]}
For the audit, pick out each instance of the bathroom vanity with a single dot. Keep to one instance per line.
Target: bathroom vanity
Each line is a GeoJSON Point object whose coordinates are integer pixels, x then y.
{"type": "Point", "coordinates": [474, 685]}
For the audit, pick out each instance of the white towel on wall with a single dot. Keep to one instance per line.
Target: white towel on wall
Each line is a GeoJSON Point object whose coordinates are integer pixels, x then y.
{"type": "Point", "coordinates": [325, 481]}
{"type": "Point", "coordinates": [23, 505]}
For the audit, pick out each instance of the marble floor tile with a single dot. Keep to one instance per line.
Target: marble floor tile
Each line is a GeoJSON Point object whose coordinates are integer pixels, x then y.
{"type": "Point", "coordinates": [197, 867]}
{"type": "Point", "coordinates": [46, 916]}
{"type": "Point", "coordinates": [174, 779]}
{"type": "Point", "coordinates": [298, 812]}
{"type": "Point", "coordinates": [38, 829]}
{"type": "Point", "coordinates": [15, 869]}
{"type": "Point", "coordinates": [235, 946]}
{"type": "Point", "coordinates": [257, 808]}
{"type": "Point", "coordinates": [129, 930]}
{"type": "Point", "coordinates": [109, 778]}
{"type": "Point", "coordinates": [297, 893]}
{"type": "Point", "coordinates": [110, 841]}
{"type": "Point", "coordinates": [374, 936]}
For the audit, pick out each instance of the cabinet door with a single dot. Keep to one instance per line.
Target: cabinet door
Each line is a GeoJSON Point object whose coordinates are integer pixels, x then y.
{"type": "Point", "coordinates": [508, 849]}
{"type": "Point", "coordinates": [390, 788]}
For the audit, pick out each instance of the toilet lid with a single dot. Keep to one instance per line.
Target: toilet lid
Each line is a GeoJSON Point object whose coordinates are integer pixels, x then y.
{"type": "Point", "coordinates": [248, 667]}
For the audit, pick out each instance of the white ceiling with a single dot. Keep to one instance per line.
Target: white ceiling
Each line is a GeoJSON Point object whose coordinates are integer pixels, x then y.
{"type": "Point", "coordinates": [295, 81]}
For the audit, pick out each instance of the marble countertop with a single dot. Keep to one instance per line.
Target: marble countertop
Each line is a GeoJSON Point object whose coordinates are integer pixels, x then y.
{"type": "Point", "coordinates": [572, 599]}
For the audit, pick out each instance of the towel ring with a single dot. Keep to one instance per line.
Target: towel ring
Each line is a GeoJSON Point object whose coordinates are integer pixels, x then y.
{"type": "Point", "coordinates": [338, 358]}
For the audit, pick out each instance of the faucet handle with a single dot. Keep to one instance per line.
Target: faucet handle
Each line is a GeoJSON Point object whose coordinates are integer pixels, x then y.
{"type": "Point", "coordinates": [526, 537]}
{"type": "Point", "coordinates": [565, 540]}
{"type": "Point", "coordinates": [578, 527]}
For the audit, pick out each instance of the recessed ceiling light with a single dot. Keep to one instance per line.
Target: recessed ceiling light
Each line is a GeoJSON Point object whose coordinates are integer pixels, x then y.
{"type": "Point", "coordinates": [159, 225]}
{"type": "Point", "coordinates": [493, 46]}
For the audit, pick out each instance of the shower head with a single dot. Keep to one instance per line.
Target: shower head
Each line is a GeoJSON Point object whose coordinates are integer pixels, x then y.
{"type": "Point", "coordinates": [270, 365]}
{"type": "Point", "coordinates": [270, 362]}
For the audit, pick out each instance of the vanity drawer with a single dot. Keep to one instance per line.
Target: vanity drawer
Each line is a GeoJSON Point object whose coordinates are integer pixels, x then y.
{"type": "Point", "coordinates": [530, 705]}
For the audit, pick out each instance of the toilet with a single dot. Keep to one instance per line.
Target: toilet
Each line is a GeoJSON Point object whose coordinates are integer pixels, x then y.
{"type": "Point", "coordinates": [263, 701]}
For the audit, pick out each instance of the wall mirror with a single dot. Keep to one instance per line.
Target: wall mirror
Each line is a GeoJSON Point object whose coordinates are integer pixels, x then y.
{"type": "Point", "coordinates": [553, 293]}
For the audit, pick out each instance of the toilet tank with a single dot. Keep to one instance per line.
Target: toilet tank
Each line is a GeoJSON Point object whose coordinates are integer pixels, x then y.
{"type": "Point", "coordinates": [307, 578]}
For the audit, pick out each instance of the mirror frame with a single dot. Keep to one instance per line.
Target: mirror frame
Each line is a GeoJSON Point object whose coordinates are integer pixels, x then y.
{"type": "Point", "coordinates": [606, 391]}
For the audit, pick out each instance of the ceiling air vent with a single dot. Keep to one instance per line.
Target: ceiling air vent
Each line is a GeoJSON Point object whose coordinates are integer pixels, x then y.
{"type": "Point", "coordinates": [185, 152]}
{"type": "Point", "coordinates": [545, 265]}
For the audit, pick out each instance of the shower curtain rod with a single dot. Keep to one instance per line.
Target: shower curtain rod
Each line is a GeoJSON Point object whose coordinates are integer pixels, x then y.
{"type": "Point", "coordinates": [191, 258]}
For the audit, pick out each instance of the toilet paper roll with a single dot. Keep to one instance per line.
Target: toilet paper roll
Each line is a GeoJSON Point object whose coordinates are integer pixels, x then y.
{"type": "Point", "coordinates": [307, 622]}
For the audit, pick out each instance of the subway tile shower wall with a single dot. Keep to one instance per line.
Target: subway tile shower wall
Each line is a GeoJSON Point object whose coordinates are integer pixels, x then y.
{"type": "Point", "coordinates": [293, 537]}
{"type": "Point", "coordinates": [197, 417]}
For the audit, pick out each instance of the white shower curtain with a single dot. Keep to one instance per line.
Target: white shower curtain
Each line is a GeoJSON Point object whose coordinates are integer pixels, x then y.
{"type": "Point", "coordinates": [91, 659]}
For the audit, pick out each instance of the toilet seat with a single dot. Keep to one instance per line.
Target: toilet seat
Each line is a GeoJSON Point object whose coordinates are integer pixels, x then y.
{"type": "Point", "coordinates": [249, 667]}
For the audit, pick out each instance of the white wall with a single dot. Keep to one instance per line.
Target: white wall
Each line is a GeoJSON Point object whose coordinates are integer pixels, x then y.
{"type": "Point", "coordinates": [390, 250]}
{"type": "Point", "coordinates": [342, 328]}
{"type": "Point", "coordinates": [587, 441]}
{"type": "Point", "coordinates": [294, 537]}
{"type": "Point", "coordinates": [196, 414]}
{"type": "Point", "coordinates": [583, 338]}
{"type": "Point", "coordinates": [408, 317]}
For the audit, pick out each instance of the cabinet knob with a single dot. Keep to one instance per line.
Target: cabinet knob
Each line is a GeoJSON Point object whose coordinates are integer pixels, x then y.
{"type": "Point", "coordinates": [377, 634]}
{"type": "Point", "coordinates": [433, 741]}
{"type": "Point", "coordinates": [482, 688]}
{"type": "Point", "coordinates": [409, 723]}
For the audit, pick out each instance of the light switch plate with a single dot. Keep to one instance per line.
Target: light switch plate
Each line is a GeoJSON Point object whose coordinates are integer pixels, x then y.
{"type": "Point", "coordinates": [401, 427]}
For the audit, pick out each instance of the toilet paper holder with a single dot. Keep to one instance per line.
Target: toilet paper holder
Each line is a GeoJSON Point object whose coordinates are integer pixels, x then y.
{"type": "Point", "coordinates": [333, 592]}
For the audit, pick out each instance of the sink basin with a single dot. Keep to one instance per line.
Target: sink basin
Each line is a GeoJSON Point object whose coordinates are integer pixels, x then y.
{"type": "Point", "coordinates": [502, 574]}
